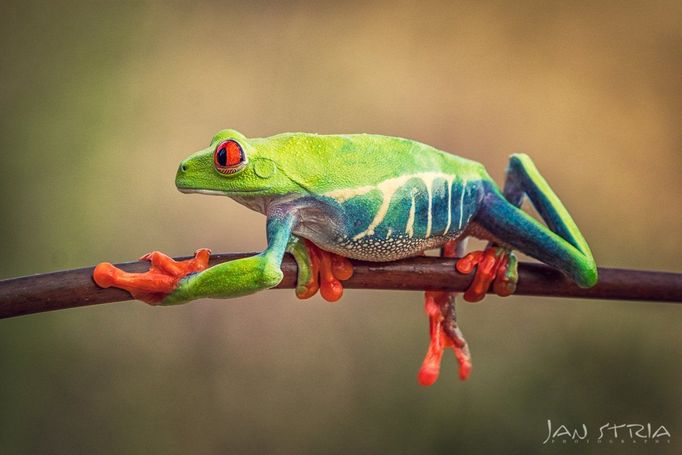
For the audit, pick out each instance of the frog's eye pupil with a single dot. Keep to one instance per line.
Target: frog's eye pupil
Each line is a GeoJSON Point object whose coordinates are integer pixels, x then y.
{"type": "Point", "coordinates": [229, 157]}
{"type": "Point", "coordinates": [222, 157]}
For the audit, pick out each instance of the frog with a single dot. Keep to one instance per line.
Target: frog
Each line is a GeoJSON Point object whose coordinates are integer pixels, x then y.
{"type": "Point", "coordinates": [333, 198]}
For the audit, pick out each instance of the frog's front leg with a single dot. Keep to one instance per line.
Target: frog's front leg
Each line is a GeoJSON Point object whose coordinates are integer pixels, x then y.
{"type": "Point", "coordinates": [229, 279]}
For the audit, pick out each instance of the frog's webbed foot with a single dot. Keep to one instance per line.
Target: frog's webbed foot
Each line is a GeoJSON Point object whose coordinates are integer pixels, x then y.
{"type": "Point", "coordinates": [496, 265]}
{"type": "Point", "coordinates": [158, 282]}
{"type": "Point", "coordinates": [319, 270]}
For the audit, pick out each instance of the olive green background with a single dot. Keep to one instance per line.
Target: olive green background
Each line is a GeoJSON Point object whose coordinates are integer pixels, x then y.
{"type": "Point", "coordinates": [100, 100]}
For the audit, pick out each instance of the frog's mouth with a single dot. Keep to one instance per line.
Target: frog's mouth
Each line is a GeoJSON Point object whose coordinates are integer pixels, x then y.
{"type": "Point", "coordinates": [188, 190]}
{"type": "Point", "coordinates": [195, 190]}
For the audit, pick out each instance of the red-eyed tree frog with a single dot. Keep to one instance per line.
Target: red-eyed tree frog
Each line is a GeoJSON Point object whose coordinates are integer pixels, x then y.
{"type": "Point", "coordinates": [370, 197]}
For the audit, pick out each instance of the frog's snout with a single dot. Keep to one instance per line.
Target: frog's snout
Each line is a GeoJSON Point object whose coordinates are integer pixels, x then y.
{"type": "Point", "coordinates": [181, 175]}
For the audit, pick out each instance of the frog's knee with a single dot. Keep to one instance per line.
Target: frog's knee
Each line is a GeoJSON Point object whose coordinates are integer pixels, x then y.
{"type": "Point", "coordinates": [587, 274]}
{"type": "Point", "coordinates": [519, 161]}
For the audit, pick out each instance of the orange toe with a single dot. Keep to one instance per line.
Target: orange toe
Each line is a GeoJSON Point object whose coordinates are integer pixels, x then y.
{"type": "Point", "coordinates": [104, 274]}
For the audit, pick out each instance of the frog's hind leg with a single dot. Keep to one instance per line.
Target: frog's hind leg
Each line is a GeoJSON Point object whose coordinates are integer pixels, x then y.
{"type": "Point", "coordinates": [561, 246]}
{"type": "Point", "coordinates": [443, 330]}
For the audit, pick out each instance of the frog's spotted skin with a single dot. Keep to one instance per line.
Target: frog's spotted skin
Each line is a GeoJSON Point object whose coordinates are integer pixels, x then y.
{"type": "Point", "coordinates": [374, 198]}
{"type": "Point", "coordinates": [384, 249]}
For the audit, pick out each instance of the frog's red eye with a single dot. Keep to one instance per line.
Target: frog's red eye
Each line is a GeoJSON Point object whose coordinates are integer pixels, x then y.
{"type": "Point", "coordinates": [229, 157]}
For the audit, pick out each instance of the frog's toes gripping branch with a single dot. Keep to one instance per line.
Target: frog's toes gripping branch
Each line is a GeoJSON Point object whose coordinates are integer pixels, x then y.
{"type": "Point", "coordinates": [495, 265]}
{"type": "Point", "coordinates": [159, 281]}
{"type": "Point", "coordinates": [319, 270]}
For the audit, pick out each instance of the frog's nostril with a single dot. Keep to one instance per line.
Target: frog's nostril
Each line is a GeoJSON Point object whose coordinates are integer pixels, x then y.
{"type": "Point", "coordinates": [183, 166]}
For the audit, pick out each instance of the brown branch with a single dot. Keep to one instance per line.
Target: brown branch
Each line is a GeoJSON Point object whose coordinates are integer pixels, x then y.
{"type": "Point", "coordinates": [75, 288]}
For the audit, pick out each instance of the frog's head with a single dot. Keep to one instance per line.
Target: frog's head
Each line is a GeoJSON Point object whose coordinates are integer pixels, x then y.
{"type": "Point", "coordinates": [232, 165]}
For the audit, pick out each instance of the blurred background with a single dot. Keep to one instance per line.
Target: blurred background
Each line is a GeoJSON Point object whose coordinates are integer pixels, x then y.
{"type": "Point", "coordinates": [99, 101]}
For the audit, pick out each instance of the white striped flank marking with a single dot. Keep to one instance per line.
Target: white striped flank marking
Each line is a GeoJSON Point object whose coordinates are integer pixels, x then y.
{"type": "Point", "coordinates": [461, 203]}
{"type": "Point", "coordinates": [409, 227]}
{"type": "Point", "coordinates": [450, 182]}
{"type": "Point", "coordinates": [388, 189]}
{"type": "Point", "coordinates": [428, 181]}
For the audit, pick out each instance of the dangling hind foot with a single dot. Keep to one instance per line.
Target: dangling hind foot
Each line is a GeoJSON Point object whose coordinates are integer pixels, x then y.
{"type": "Point", "coordinates": [444, 333]}
{"type": "Point", "coordinates": [443, 330]}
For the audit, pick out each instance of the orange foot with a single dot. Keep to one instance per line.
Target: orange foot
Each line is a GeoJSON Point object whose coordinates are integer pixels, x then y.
{"type": "Point", "coordinates": [160, 280]}
{"type": "Point", "coordinates": [444, 332]}
{"type": "Point", "coordinates": [327, 270]}
{"type": "Point", "coordinates": [496, 266]}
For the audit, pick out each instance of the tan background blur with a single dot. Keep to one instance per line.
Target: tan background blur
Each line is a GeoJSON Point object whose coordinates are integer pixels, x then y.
{"type": "Point", "coordinates": [100, 100]}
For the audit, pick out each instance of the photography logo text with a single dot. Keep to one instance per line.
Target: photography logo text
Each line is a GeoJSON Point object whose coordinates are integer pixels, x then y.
{"type": "Point", "coordinates": [608, 433]}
